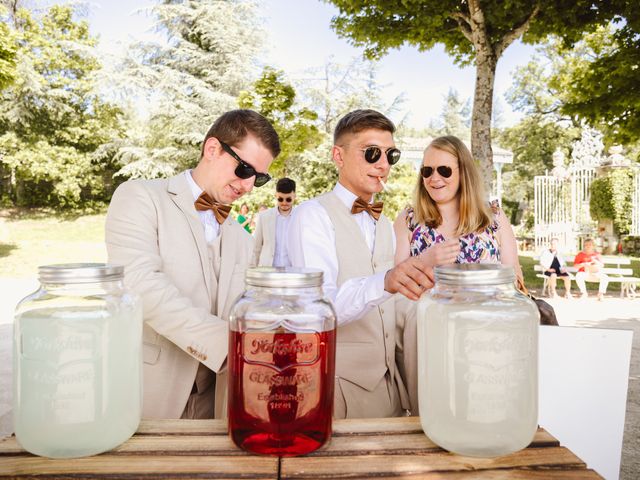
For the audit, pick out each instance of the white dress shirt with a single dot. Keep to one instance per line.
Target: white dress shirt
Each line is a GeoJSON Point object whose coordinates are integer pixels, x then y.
{"type": "Point", "coordinates": [312, 243]}
{"type": "Point", "coordinates": [209, 222]}
{"type": "Point", "coordinates": [280, 255]}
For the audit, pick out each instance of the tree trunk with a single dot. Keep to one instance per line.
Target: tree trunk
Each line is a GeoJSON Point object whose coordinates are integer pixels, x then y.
{"type": "Point", "coordinates": [481, 120]}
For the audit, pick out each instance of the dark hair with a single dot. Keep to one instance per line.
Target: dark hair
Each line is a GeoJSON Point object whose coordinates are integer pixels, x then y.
{"type": "Point", "coordinates": [232, 127]}
{"type": "Point", "coordinates": [285, 185]}
{"type": "Point", "coordinates": [359, 120]}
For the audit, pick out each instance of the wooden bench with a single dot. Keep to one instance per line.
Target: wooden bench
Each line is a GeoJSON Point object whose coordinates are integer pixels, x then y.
{"type": "Point", "coordinates": [614, 267]}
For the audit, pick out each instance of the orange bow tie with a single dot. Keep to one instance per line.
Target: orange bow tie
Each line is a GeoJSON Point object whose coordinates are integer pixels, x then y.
{"type": "Point", "coordinates": [205, 202]}
{"type": "Point", "coordinates": [374, 209]}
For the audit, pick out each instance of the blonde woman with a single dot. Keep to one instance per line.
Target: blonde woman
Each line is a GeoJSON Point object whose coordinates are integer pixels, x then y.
{"type": "Point", "coordinates": [450, 221]}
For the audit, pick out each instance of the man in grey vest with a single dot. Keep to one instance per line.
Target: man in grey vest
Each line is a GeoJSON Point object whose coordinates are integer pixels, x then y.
{"type": "Point", "coordinates": [344, 234]}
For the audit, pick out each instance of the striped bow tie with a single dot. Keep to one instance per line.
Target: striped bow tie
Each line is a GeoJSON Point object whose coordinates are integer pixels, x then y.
{"type": "Point", "coordinates": [205, 202]}
{"type": "Point", "coordinates": [374, 209]}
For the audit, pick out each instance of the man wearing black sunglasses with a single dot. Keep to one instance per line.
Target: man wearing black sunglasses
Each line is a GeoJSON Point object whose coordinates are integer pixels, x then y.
{"type": "Point", "coordinates": [186, 258]}
{"type": "Point", "coordinates": [344, 234]}
{"type": "Point", "coordinates": [272, 228]}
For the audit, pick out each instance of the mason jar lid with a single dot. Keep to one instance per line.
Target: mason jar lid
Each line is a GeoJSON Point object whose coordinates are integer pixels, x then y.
{"type": "Point", "coordinates": [283, 277]}
{"type": "Point", "coordinates": [474, 274]}
{"type": "Point", "coordinates": [80, 273]}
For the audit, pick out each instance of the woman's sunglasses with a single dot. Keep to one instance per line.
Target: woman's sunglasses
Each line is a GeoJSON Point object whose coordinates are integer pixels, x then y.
{"type": "Point", "coordinates": [287, 199]}
{"type": "Point", "coordinates": [372, 154]}
{"type": "Point", "coordinates": [244, 170]}
{"type": "Point", "coordinates": [443, 171]}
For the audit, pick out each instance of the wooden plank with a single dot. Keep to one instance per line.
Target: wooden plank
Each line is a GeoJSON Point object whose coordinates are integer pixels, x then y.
{"type": "Point", "coordinates": [396, 465]}
{"type": "Point", "coordinates": [510, 474]}
{"type": "Point", "coordinates": [400, 444]}
{"type": "Point", "coordinates": [182, 427]}
{"type": "Point", "coordinates": [143, 466]}
{"type": "Point", "coordinates": [154, 444]}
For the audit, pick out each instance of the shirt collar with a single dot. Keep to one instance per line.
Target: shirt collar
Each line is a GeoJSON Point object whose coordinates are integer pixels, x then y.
{"type": "Point", "coordinates": [346, 196]}
{"type": "Point", "coordinates": [196, 191]}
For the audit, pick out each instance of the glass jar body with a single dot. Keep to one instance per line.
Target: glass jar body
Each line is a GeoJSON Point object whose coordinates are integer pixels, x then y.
{"type": "Point", "coordinates": [281, 370]}
{"type": "Point", "coordinates": [478, 368]}
{"type": "Point", "coordinates": [77, 382]}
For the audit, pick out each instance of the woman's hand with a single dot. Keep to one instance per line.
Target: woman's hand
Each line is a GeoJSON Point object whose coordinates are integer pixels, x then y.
{"type": "Point", "coordinates": [442, 253]}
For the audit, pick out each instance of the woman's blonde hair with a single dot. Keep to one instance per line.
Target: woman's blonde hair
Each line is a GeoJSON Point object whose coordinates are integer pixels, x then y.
{"type": "Point", "coordinates": [475, 213]}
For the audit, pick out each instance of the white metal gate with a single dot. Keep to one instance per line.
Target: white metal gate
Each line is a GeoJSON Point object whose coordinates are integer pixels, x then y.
{"type": "Point", "coordinates": [561, 208]}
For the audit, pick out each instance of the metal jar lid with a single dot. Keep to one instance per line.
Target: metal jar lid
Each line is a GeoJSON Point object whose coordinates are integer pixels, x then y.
{"type": "Point", "coordinates": [80, 273]}
{"type": "Point", "coordinates": [284, 277]}
{"type": "Point", "coordinates": [474, 274]}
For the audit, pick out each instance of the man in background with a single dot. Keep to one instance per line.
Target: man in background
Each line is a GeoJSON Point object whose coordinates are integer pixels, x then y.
{"type": "Point", "coordinates": [272, 228]}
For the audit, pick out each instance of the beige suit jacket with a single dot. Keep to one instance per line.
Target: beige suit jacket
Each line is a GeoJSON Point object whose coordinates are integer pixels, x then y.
{"type": "Point", "coordinates": [153, 229]}
{"type": "Point", "coordinates": [265, 238]}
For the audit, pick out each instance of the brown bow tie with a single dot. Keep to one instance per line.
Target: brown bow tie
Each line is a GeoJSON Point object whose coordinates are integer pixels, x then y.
{"type": "Point", "coordinates": [374, 209]}
{"type": "Point", "coordinates": [205, 202]}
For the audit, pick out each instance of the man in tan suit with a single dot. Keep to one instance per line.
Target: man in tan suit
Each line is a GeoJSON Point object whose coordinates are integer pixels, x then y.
{"type": "Point", "coordinates": [187, 259]}
{"type": "Point", "coordinates": [272, 228]}
{"type": "Point", "coordinates": [344, 234]}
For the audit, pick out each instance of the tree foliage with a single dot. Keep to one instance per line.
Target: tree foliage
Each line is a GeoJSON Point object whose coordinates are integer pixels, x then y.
{"type": "Point", "coordinates": [8, 49]}
{"type": "Point", "coordinates": [52, 120]}
{"type": "Point", "coordinates": [275, 99]}
{"type": "Point", "coordinates": [188, 81]}
{"type": "Point", "coordinates": [611, 198]}
{"type": "Point", "coordinates": [471, 31]}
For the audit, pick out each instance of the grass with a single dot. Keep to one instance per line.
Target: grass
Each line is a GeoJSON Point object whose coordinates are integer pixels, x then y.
{"type": "Point", "coordinates": [32, 238]}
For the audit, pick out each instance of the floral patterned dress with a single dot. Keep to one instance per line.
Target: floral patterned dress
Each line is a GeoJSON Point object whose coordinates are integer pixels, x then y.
{"type": "Point", "coordinates": [477, 247]}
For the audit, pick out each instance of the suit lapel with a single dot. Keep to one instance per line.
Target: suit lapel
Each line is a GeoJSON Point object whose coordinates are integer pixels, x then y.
{"type": "Point", "coordinates": [183, 198]}
{"type": "Point", "coordinates": [228, 238]}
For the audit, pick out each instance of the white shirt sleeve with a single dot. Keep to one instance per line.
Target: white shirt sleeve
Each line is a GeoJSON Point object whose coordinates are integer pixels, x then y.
{"type": "Point", "coordinates": [312, 244]}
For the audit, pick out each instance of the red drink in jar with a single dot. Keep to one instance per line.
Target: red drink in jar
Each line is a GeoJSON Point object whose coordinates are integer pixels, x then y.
{"type": "Point", "coordinates": [281, 363]}
{"type": "Point", "coordinates": [282, 390]}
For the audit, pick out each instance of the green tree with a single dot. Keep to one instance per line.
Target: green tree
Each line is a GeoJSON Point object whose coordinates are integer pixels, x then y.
{"type": "Point", "coordinates": [189, 80]}
{"type": "Point", "coordinates": [52, 120]}
{"type": "Point", "coordinates": [471, 31]}
{"type": "Point", "coordinates": [275, 99]}
{"type": "Point", "coordinates": [455, 116]}
{"type": "Point", "coordinates": [532, 141]}
{"type": "Point", "coordinates": [8, 49]}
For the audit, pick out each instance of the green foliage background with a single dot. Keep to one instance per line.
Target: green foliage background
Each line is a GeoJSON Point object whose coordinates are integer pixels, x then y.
{"type": "Point", "coordinates": [611, 198]}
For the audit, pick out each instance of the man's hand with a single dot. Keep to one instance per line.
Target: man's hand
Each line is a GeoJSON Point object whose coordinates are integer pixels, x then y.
{"type": "Point", "coordinates": [410, 278]}
{"type": "Point", "coordinates": [442, 253]}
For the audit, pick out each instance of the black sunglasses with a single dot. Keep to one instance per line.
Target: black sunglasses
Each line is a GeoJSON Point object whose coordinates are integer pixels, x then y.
{"type": "Point", "coordinates": [287, 199]}
{"type": "Point", "coordinates": [244, 170]}
{"type": "Point", "coordinates": [372, 154]}
{"type": "Point", "coordinates": [442, 170]}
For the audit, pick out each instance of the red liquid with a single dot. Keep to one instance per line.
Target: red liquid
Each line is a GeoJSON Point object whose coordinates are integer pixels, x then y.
{"type": "Point", "coordinates": [281, 391]}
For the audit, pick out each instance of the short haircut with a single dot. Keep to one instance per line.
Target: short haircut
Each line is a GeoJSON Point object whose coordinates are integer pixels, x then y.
{"type": "Point", "coordinates": [359, 120]}
{"type": "Point", "coordinates": [285, 185]}
{"type": "Point", "coordinates": [233, 126]}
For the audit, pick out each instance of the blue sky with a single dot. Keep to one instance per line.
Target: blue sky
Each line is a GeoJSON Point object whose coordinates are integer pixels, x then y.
{"type": "Point", "coordinates": [299, 37]}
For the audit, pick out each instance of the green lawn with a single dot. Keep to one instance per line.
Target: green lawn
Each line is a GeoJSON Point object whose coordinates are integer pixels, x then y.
{"type": "Point", "coordinates": [29, 239]}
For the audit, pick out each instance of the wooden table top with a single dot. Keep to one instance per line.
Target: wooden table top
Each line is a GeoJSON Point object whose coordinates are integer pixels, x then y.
{"type": "Point", "coordinates": [359, 448]}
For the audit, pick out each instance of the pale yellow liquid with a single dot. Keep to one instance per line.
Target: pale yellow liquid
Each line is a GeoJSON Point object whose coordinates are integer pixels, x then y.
{"type": "Point", "coordinates": [77, 380]}
{"type": "Point", "coordinates": [477, 384]}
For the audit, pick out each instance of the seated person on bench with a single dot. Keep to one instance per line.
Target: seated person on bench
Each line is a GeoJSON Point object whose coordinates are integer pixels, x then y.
{"type": "Point", "coordinates": [589, 265]}
{"type": "Point", "coordinates": [554, 266]}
